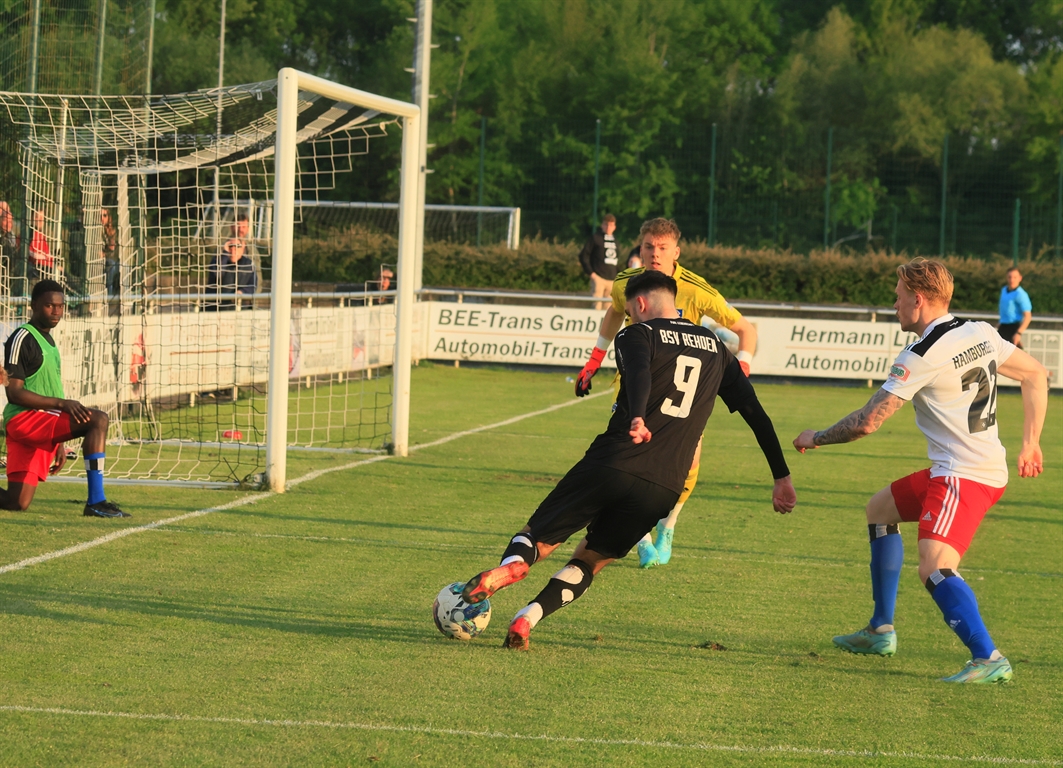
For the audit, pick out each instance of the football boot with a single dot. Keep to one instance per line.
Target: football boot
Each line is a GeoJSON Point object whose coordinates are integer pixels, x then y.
{"type": "Point", "coordinates": [982, 671]}
{"type": "Point", "coordinates": [517, 636]}
{"type": "Point", "coordinates": [867, 642]}
{"type": "Point", "coordinates": [663, 544]}
{"type": "Point", "coordinates": [484, 585]}
{"type": "Point", "coordinates": [647, 555]}
{"type": "Point", "coordinates": [104, 509]}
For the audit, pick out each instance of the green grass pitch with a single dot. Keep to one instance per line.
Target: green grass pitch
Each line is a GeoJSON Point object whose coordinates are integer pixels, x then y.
{"type": "Point", "coordinates": [296, 630]}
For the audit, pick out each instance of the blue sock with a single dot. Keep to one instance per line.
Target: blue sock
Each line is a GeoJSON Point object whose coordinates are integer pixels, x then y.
{"type": "Point", "coordinates": [887, 557]}
{"type": "Point", "coordinates": [94, 470]}
{"type": "Point", "coordinates": [960, 609]}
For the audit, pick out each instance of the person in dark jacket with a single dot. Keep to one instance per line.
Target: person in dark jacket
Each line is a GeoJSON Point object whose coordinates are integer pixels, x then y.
{"type": "Point", "coordinates": [231, 272]}
{"type": "Point", "coordinates": [599, 259]}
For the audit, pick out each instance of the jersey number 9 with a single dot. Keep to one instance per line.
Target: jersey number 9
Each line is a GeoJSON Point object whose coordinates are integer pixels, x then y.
{"type": "Point", "coordinates": [687, 372]}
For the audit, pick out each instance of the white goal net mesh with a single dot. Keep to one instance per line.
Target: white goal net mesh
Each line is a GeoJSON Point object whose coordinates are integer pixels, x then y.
{"type": "Point", "coordinates": [154, 214]}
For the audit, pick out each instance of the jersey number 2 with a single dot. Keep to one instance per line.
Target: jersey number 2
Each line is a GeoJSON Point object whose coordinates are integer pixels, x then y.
{"type": "Point", "coordinates": [687, 372]}
{"type": "Point", "coordinates": [985, 400]}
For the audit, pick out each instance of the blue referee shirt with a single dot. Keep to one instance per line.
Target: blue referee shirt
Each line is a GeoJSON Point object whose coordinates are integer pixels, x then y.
{"type": "Point", "coordinates": [1013, 304]}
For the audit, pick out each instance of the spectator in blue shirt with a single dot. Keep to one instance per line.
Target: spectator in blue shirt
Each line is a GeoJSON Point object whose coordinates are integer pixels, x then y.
{"type": "Point", "coordinates": [1016, 311]}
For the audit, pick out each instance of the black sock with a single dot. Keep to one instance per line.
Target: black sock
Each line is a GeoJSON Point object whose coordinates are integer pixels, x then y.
{"type": "Point", "coordinates": [564, 587]}
{"type": "Point", "coordinates": [523, 546]}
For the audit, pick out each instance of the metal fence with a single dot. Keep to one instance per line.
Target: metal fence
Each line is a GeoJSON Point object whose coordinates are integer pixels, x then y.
{"type": "Point", "coordinates": [797, 188]}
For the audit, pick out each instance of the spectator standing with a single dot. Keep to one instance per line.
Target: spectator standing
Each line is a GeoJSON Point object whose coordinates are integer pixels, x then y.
{"type": "Point", "coordinates": [1016, 311]}
{"type": "Point", "coordinates": [599, 259]}
{"type": "Point", "coordinates": [40, 252]}
{"type": "Point", "coordinates": [231, 273]}
{"type": "Point", "coordinates": [383, 284]}
{"type": "Point", "coordinates": [112, 271]}
{"type": "Point", "coordinates": [8, 239]}
{"type": "Point", "coordinates": [241, 229]}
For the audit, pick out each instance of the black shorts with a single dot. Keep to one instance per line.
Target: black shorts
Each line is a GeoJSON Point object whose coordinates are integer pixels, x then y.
{"type": "Point", "coordinates": [616, 508]}
{"type": "Point", "coordinates": [1007, 331]}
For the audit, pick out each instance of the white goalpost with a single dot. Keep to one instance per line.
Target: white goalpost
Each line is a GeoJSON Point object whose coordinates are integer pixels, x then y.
{"type": "Point", "coordinates": [289, 83]}
{"type": "Point", "coordinates": [182, 323]}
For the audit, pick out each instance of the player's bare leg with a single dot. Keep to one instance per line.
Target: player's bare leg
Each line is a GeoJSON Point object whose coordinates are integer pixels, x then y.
{"type": "Point", "coordinates": [564, 587]}
{"type": "Point", "coordinates": [17, 497]}
{"type": "Point", "coordinates": [94, 432]}
{"type": "Point", "coordinates": [521, 554]}
{"type": "Point", "coordinates": [939, 566]}
{"type": "Point", "coordinates": [878, 638]}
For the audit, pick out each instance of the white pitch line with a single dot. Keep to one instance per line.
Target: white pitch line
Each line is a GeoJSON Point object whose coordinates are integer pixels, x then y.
{"type": "Point", "coordinates": [701, 747]}
{"type": "Point", "coordinates": [72, 550]}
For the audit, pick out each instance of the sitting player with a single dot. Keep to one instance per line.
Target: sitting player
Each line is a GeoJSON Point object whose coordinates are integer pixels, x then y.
{"type": "Point", "coordinates": [632, 473]}
{"type": "Point", "coordinates": [696, 300]}
{"type": "Point", "coordinates": [38, 419]}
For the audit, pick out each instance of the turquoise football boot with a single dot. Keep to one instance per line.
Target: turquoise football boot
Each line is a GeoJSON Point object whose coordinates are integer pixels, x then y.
{"type": "Point", "coordinates": [867, 642]}
{"type": "Point", "coordinates": [982, 671]}
{"type": "Point", "coordinates": [663, 544]}
{"type": "Point", "coordinates": [647, 555]}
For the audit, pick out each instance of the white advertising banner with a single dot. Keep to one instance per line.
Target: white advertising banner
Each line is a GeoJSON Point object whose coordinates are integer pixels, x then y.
{"type": "Point", "coordinates": [502, 333]}
{"type": "Point", "coordinates": [786, 346]}
{"type": "Point", "coordinates": [142, 358]}
{"type": "Point", "coordinates": [833, 349]}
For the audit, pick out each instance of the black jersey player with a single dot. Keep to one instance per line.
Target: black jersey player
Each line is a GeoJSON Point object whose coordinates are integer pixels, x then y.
{"type": "Point", "coordinates": [632, 474]}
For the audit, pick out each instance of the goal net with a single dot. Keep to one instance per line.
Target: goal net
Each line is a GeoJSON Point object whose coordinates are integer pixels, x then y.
{"type": "Point", "coordinates": [150, 211]}
{"type": "Point", "coordinates": [358, 223]}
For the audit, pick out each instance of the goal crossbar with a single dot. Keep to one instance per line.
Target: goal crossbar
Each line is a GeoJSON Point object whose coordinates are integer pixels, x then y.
{"type": "Point", "coordinates": [289, 83]}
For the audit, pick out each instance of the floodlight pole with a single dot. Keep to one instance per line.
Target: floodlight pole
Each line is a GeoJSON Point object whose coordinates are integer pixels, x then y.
{"type": "Point", "coordinates": [101, 38]}
{"type": "Point", "coordinates": [480, 192]}
{"type": "Point", "coordinates": [151, 46]}
{"type": "Point", "coordinates": [217, 140]}
{"type": "Point", "coordinates": [422, 60]}
{"type": "Point", "coordinates": [35, 46]}
{"type": "Point", "coordinates": [944, 194]}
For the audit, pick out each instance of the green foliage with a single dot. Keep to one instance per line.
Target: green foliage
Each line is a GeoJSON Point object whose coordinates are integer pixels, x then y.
{"type": "Point", "coordinates": [856, 200]}
{"type": "Point", "coordinates": [822, 277]}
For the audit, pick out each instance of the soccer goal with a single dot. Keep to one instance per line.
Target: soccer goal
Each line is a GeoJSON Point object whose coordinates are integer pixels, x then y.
{"type": "Point", "coordinates": [345, 220]}
{"type": "Point", "coordinates": [182, 324]}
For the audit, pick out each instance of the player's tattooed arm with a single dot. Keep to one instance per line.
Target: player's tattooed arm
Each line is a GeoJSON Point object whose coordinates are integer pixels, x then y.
{"type": "Point", "coordinates": [857, 424]}
{"type": "Point", "coordinates": [861, 423]}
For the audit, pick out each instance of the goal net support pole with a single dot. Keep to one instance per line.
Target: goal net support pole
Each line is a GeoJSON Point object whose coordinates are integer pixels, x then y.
{"type": "Point", "coordinates": [289, 83]}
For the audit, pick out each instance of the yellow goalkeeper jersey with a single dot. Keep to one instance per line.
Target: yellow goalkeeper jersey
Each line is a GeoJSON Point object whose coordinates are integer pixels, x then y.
{"type": "Point", "coordinates": [695, 299]}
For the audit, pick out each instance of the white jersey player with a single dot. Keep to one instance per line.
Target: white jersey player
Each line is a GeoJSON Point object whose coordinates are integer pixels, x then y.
{"type": "Point", "coordinates": [950, 376]}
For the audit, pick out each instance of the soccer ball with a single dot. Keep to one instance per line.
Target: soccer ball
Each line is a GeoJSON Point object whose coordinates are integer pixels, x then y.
{"type": "Point", "coordinates": [457, 619]}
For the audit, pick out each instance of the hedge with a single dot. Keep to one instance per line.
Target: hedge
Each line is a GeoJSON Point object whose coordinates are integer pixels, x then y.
{"type": "Point", "coordinates": [823, 277]}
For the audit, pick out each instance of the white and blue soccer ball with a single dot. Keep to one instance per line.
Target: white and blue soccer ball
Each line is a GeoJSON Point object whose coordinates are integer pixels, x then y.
{"type": "Point", "coordinates": [457, 619]}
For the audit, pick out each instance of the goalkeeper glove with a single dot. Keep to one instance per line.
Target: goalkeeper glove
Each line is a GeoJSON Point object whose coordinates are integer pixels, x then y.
{"type": "Point", "coordinates": [583, 381]}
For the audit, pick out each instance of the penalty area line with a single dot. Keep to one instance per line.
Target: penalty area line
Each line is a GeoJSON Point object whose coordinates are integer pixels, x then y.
{"type": "Point", "coordinates": [778, 749]}
{"type": "Point", "coordinates": [255, 497]}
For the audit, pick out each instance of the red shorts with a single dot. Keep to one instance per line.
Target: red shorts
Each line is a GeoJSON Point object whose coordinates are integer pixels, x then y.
{"type": "Point", "coordinates": [948, 509]}
{"type": "Point", "coordinates": [31, 440]}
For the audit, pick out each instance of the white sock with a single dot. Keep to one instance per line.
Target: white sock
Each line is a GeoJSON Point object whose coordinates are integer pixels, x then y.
{"type": "Point", "coordinates": [532, 612]}
{"type": "Point", "coordinates": [647, 539]}
{"type": "Point", "coordinates": [669, 522]}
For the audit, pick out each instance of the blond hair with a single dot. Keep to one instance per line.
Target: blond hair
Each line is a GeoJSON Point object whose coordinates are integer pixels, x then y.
{"type": "Point", "coordinates": [930, 278]}
{"type": "Point", "coordinates": [660, 228]}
